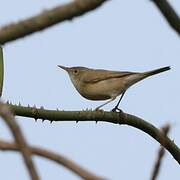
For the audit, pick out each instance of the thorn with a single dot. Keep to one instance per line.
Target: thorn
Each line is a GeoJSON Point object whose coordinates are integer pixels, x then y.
{"type": "Point", "coordinates": [77, 122]}
{"type": "Point", "coordinates": [70, 18]}
{"type": "Point", "coordinates": [35, 119]}
{"type": "Point", "coordinates": [51, 121]}
{"type": "Point", "coordinates": [96, 122]}
{"type": "Point", "coordinates": [43, 120]}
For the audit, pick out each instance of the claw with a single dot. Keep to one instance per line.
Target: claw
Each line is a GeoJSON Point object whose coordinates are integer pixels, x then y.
{"type": "Point", "coordinates": [116, 109]}
{"type": "Point", "coordinates": [100, 110]}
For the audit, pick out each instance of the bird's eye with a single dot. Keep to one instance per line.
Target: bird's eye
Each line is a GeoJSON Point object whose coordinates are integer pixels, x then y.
{"type": "Point", "coordinates": [75, 71]}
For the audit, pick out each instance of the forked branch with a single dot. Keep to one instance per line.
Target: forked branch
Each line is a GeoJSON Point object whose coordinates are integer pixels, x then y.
{"type": "Point", "coordinates": [8, 117]}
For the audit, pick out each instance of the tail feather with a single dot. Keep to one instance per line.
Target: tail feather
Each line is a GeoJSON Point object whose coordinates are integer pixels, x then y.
{"type": "Point", "coordinates": [157, 71]}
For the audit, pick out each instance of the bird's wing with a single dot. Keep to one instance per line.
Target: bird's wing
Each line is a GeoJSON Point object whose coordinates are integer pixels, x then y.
{"type": "Point", "coordinates": [100, 75]}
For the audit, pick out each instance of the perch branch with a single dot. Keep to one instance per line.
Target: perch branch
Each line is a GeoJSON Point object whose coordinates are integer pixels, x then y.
{"type": "Point", "coordinates": [111, 117]}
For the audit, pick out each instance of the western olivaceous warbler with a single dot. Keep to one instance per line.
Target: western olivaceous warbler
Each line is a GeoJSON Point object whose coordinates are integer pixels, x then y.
{"type": "Point", "coordinates": [100, 84]}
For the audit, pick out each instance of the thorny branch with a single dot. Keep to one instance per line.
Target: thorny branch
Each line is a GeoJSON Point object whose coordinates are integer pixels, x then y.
{"type": "Point", "coordinates": [102, 116]}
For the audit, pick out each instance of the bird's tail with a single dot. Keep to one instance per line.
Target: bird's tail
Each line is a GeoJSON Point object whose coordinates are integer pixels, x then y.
{"type": "Point", "coordinates": [157, 71]}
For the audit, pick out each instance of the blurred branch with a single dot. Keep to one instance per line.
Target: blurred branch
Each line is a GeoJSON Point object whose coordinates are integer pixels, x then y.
{"type": "Point", "coordinates": [1, 71]}
{"type": "Point", "coordinates": [8, 117]}
{"type": "Point", "coordinates": [169, 13]}
{"type": "Point", "coordinates": [47, 18]}
{"type": "Point", "coordinates": [102, 116]}
{"type": "Point", "coordinates": [54, 157]}
{"type": "Point", "coordinates": [161, 153]}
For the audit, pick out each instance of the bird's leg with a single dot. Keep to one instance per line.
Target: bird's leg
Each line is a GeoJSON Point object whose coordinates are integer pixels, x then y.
{"type": "Point", "coordinates": [105, 103]}
{"type": "Point", "coordinates": [116, 107]}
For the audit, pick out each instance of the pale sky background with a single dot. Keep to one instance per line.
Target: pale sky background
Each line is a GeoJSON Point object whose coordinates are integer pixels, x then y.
{"type": "Point", "coordinates": [120, 35]}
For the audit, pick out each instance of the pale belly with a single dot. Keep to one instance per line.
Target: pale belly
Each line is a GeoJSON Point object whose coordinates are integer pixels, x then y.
{"type": "Point", "coordinates": [102, 90]}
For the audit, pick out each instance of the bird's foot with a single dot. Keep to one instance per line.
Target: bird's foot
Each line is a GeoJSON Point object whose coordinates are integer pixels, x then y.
{"type": "Point", "coordinates": [97, 109]}
{"type": "Point", "coordinates": [116, 109]}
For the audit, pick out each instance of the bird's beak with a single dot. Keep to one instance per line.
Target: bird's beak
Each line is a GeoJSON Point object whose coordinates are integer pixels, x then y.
{"type": "Point", "coordinates": [63, 67]}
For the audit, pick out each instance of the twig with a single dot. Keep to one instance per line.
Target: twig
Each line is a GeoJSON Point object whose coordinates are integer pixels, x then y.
{"type": "Point", "coordinates": [103, 116]}
{"type": "Point", "coordinates": [46, 19]}
{"type": "Point", "coordinates": [69, 164]}
{"type": "Point", "coordinates": [169, 14]}
{"type": "Point", "coordinates": [8, 117]}
{"type": "Point", "coordinates": [160, 155]}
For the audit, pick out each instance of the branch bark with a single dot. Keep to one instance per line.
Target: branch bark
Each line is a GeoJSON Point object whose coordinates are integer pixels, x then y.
{"type": "Point", "coordinates": [47, 18]}
{"type": "Point", "coordinates": [111, 117]}
{"type": "Point", "coordinates": [169, 14]}
{"type": "Point", "coordinates": [59, 159]}
{"type": "Point", "coordinates": [8, 117]}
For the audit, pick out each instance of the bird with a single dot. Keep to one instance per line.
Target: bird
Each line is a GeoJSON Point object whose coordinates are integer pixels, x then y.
{"type": "Point", "coordinates": [100, 84]}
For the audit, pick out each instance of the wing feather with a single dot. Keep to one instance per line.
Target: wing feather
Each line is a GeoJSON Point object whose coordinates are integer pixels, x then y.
{"type": "Point", "coordinates": [99, 75]}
